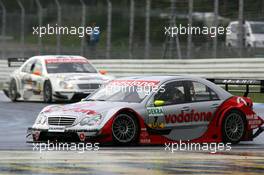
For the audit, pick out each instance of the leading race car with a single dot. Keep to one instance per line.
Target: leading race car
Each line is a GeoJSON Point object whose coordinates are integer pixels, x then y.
{"type": "Point", "coordinates": [151, 110]}
{"type": "Point", "coordinates": [53, 77]}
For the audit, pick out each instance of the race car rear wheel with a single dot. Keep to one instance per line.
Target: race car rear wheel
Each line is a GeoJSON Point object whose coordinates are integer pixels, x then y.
{"type": "Point", "coordinates": [13, 90]}
{"type": "Point", "coordinates": [234, 127]}
{"type": "Point", "coordinates": [47, 92]}
{"type": "Point", "coordinates": [125, 129]}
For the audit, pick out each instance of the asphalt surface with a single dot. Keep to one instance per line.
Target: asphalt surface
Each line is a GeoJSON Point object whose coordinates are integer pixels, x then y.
{"type": "Point", "coordinates": [130, 161]}
{"type": "Point", "coordinates": [18, 157]}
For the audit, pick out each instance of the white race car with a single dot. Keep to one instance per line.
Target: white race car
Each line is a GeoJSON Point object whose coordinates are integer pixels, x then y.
{"type": "Point", "coordinates": [53, 77]}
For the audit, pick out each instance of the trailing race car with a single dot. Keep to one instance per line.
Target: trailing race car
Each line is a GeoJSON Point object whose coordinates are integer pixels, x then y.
{"type": "Point", "coordinates": [53, 77]}
{"type": "Point", "coordinates": [151, 110]}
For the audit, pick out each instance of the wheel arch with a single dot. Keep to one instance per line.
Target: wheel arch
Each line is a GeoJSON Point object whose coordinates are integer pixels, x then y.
{"type": "Point", "coordinates": [16, 80]}
{"type": "Point", "coordinates": [136, 115]}
{"type": "Point", "coordinates": [226, 111]}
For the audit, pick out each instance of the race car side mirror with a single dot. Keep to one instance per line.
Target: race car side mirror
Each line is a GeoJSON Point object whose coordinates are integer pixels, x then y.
{"type": "Point", "coordinates": [159, 103]}
{"type": "Point", "coordinates": [103, 72]}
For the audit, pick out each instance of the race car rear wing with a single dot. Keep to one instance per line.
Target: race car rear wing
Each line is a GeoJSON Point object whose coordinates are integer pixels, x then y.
{"type": "Point", "coordinates": [250, 85]}
{"type": "Point", "coordinates": [16, 62]}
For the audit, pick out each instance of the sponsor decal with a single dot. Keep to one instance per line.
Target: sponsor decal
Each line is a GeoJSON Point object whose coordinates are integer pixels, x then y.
{"type": "Point", "coordinates": [139, 86]}
{"type": "Point", "coordinates": [145, 141]}
{"type": "Point", "coordinates": [254, 121]}
{"type": "Point", "coordinates": [188, 117]}
{"type": "Point", "coordinates": [65, 60]}
{"type": "Point", "coordinates": [252, 116]}
{"type": "Point", "coordinates": [155, 111]}
{"type": "Point", "coordinates": [156, 124]}
{"type": "Point", "coordinates": [79, 110]}
{"type": "Point", "coordinates": [230, 81]}
{"type": "Point", "coordinates": [241, 100]}
{"type": "Point", "coordinates": [148, 83]}
{"type": "Point", "coordinates": [56, 129]}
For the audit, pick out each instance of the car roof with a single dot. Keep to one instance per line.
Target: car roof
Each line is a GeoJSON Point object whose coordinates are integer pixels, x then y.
{"type": "Point", "coordinates": [164, 78]}
{"type": "Point", "coordinates": [43, 57]}
{"type": "Point", "coordinates": [250, 22]}
{"type": "Point", "coordinates": [161, 78]}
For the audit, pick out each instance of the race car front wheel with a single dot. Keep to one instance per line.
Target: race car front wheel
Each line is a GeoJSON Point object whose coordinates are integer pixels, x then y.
{"type": "Point", "coordinates": [233, 128]}
{"type": "Point", "coordinates": [47, 92]}
{"type": "Point", "coordinates": [13, 90]}
{"type": "Point", "coordinates": [125, 129]}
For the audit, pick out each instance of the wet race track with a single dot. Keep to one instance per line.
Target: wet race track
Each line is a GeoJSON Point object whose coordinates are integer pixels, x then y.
{"type": "Point", "coordinates": [18, 157]}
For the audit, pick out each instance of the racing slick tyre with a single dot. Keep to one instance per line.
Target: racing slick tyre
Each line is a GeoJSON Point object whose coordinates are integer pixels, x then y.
{"type": "Point", "coordinates": [47, 92]}
{"type": "Point", "coordinates": [13, 95]}
{"type": "Point", "coordinates": [125, 130]}
{"type": "Point", "coordinates": [234, 127]}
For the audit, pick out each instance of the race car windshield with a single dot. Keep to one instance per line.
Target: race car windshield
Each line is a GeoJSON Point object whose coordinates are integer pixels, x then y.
{"type": "Point", "coordinates": [70, 68]}
{"type": "Point", "coordinates": [132, 94]}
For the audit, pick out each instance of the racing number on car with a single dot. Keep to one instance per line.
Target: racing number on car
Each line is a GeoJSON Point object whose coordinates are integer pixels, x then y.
{"type": "Point", "coordinates": [155, 117]}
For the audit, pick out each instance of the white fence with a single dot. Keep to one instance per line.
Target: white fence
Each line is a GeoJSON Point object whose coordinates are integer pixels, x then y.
{"type": "Point", "coordinates": [210, 68]}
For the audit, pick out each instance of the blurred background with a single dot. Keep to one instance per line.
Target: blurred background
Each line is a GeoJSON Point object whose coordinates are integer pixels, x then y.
{"type": "Point", "coordinates": [129, 28]}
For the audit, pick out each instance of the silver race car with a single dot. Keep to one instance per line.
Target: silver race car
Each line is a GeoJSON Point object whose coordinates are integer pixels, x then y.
{"type": "Point", "coordinates": [151, 110]}
{"type": "Point", "coordinates": [53, 77]}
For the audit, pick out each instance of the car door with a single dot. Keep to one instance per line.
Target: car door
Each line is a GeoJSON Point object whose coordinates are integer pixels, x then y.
{"type": "Point", "coordinates": [25, 78]}
{"type": "Point", "coordinates": [185, 110]}
{"type": "Point", "coordinates": [172, 98]}
{"type": "Point", "coordinates": [31, 79]}
{"type": "Point", "coordinates": [37, 77]}
{"type": "Point", "coordinates": [197, 114]}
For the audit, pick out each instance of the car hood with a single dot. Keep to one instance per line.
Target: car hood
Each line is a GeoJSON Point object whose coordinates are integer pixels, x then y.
{"type": "Point", "coordinates": [86, 108]}
{"type": "Point", "coordinates": [80, 76]}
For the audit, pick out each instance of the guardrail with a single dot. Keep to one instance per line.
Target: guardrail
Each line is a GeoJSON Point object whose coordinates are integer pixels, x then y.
{"type": "Point", "coordinates": [210, 68]}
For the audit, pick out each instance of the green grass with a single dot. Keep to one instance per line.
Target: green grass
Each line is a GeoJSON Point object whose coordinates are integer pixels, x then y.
{"type": "Point", "coordinates": [256, 97]}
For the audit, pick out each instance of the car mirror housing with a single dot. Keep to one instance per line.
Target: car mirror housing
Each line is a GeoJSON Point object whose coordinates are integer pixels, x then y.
{"type": "Point", "coordinates": [103, 72]}
{"type": "Point", "coordinates": [159, 102]}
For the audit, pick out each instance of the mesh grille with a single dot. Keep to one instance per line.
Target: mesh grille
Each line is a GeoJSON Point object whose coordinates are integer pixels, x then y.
{"type": "Point", "coordinates": [61, 121]}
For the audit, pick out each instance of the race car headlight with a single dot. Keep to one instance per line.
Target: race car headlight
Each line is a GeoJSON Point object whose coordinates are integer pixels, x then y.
{"type": "Point", "coordinates": [66, 85]}
{"type": "Point", "coordinates": [41, 119]}
{"type": "Point", "coordinates": [91, 121]}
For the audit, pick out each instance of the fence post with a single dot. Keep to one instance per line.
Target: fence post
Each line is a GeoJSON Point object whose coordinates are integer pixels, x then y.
{"type": "Point", "coordinates": [22, 28]}
{"type": "Point", "coordinates": [241, 30]}
{"type": "Point", "coordinates": [109, 28]}
{"type": "Point", "coordinates": [189, 44]}
{"type": "Point", "coordinates": [147, 28]}
{"type": "Point", "coordinates": [83, 25]}
{"type": "Point", "coordinates": [131, 27]}
{"type": "Point", "coordinates": [58, 44]}
{"type": "Point", "coordinates": [172, 24]}
{"type": "Point", "coordinates": [216, 14]}
{"type": "Point", "coordinates": [40, 16]}
{"type": "Point", "coordinates": [3, 30]}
